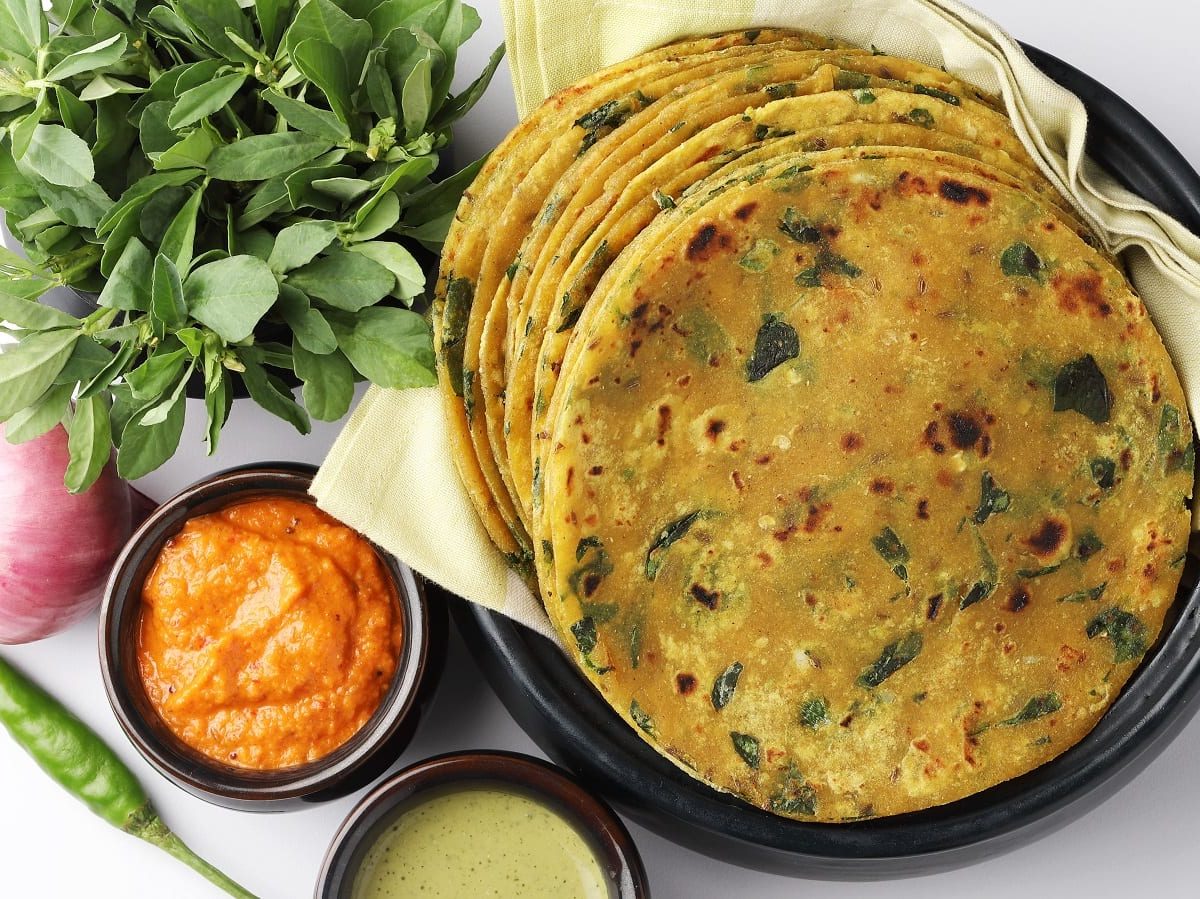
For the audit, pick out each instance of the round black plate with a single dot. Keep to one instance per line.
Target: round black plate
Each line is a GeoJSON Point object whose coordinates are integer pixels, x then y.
{"type": "Point", "coordinates": [573, 724]}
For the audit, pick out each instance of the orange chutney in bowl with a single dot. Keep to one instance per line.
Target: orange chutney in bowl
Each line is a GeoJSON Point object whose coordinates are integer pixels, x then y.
{"type": "Point", "coordinates": [269, 633]}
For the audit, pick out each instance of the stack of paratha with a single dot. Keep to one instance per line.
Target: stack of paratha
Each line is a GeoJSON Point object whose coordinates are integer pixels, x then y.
{"type": "Point", "coordinates": [852, 471]}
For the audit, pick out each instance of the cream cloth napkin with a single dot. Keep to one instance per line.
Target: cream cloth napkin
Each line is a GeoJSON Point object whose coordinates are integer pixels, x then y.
{"type": "Point", "coordinates": [390, 473]}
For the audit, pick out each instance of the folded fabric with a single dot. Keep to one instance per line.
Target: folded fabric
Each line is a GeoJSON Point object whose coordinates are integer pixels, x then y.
{"type": "Point", "coordinates": [390, 474]}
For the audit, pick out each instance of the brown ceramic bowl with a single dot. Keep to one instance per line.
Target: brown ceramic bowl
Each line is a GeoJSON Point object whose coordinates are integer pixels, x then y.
{"type": "Point", "coordinates": [550, 786]}
{"type": "Point", "coordinates": [361, 760]}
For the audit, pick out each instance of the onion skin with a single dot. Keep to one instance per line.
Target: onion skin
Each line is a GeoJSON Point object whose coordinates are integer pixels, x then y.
{"type": "Point", "coordinates": [56, 549]}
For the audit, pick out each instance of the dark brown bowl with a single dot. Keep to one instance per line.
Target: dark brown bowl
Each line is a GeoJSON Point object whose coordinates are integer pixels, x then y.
{"type": "Point", "coordinates": [364, 758]}
{"type": "Point", "coordinates": [540, 780]}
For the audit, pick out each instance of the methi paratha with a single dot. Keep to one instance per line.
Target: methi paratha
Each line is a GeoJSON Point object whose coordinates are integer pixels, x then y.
{"type": "Point", "coordinates": [869, 493]}
{"type": "Point", "coordinates": [653, 134]}
{"type": "Point", "coordinates": [463, 253]}
{"type": "Point", "coordinates": [558, 298]}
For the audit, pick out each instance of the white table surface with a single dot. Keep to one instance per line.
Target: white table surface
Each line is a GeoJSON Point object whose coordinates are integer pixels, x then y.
{"type": "Point", "coordinates": [1142, 840]}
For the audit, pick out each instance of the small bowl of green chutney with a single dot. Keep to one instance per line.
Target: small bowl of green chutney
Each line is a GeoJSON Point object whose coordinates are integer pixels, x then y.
{"type": "Point", "coordinates": [482, 824]}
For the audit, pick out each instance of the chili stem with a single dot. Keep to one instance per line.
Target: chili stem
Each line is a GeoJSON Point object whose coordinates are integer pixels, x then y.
{"type": "Point", "coordinates": [156, 833]}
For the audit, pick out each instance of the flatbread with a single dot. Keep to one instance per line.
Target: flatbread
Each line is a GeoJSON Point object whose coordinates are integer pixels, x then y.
{"type": "Point", "coordinates": [867, 490]}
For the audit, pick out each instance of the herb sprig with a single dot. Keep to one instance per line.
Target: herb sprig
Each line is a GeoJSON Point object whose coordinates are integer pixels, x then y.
{"type": "Point", "coordinates": [248, 186]}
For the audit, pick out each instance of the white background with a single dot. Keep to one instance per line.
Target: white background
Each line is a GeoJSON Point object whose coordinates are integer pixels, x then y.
{"type": "Point", "coordinates": [1143, 840]}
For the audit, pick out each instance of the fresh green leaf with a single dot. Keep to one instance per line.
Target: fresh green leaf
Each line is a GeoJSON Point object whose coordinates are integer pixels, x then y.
{"type": "Point", "coordinates": [128, 286]}
{"type": "Point", "coordinates": [327, 23]}
{"type": "Point", "coordinates": [190, 152]}
{"type": "Point", "coordinates": [264, 156]}
{"type": "Point", "coordinates": [178, 243]}
{"type": "Point", "coordinates": [231, 295]}
{"type": "Point", "coordinates": [75, 114]}
{"type": "Point", "coordinates": [138, 194]}
{"type": "Point", "coordinates": [217, 402]}
{"type": "Point", "coordinates": [323, 64]}
{"type": "Point", "coordinates": [98, 56]}
{"type": "Point", "coordinates": [29, 368]}
{"type": "Point", "coordinates": [344, 190]}
{"type": "Point", "coordinates": [60, 156]}
{"type": "Point", "coordinates": [204, 100]}
{"type": "Point", "coordinates": [297, 245]}
{"type": "Point", "coordinates": [159, 373]}
{"type": "Point", "coordinates": [328, 382]}
{"type": "Point", "coordinates": [40, 417]}
{"type": "Point", "coordinates": [143, 447]}
{"type": "Point", "coordinates": [344, 280]}
{"type": "Point", "coordinates": [410, 279]}
{"type": "Point", "coordinates": [383, 216]}
{"type": "Point", "coordinates": [274, 396]}
{"type": "Point", "coordinates": [389, 347]}
{"type": "Point", "coordinates": [87, 359]}
{"type": "Point", "coordinates": [89, 444]}
{"type": "Point", "coordinates": [309, 326]}
{"type": "Point", "coordinates": [31, 314]}
{"type": "Point", "coordinates": [440, 199]}
{"type": "Point", "coordinates": [166, 292]}
{"type": "Point", "coordinates": [273, 16]}
{"type": "Point", "coordinates": [416, 98]}
{"type": "Point", "coordinates": [319, 123]}
{"type": "Point", "coordinates": [82, 207]}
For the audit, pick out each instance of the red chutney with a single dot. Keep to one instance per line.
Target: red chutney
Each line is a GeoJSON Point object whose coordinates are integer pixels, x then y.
{"type": "Point", "coordinates": [269, 633]}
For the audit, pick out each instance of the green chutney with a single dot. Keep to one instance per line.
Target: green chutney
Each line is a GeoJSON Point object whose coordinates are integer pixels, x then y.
{"type": "Point", "coordinates": [482, 843]}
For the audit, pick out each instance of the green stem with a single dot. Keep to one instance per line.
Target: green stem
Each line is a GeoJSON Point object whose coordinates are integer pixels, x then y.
{"type": "Point", "coordinates": [149, 827]}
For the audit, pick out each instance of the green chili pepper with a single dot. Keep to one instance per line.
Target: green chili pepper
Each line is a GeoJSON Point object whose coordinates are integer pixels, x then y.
{"type": "Point", "coordinates": [73, 755]}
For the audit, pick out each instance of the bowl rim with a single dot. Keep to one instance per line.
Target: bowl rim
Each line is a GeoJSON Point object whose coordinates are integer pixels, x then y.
{"type": "Point", "coordinates": [560, 710]}
{"type": "Point", "coordinates": [549, 784]}
{"type": "Point", "coordinates": [192, 770]}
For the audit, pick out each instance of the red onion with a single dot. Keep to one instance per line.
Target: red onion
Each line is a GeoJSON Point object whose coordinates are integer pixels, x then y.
{"type": "Point", "coordinates": [56, 549]}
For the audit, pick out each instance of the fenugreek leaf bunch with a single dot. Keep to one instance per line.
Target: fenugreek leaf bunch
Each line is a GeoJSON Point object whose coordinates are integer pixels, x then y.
{"type": "Point", "coordinates": [247, 187]}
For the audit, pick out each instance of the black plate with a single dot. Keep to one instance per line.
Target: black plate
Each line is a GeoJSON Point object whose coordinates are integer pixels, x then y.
{"type": "Point", "coordinates": [574, 725]}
